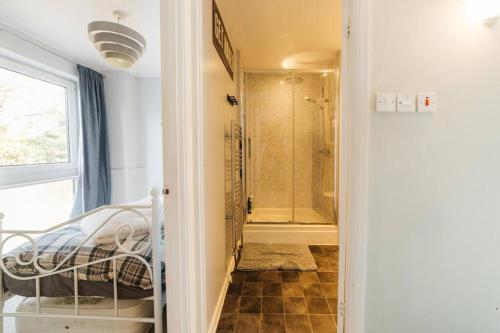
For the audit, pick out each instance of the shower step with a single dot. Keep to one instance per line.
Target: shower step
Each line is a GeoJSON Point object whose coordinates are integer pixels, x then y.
{"type": "Point", "coordinates": [290, 234]}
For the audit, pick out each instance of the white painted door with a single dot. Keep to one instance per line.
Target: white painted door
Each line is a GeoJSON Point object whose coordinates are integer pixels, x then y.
{"type": "Point", "coordinates": [343, 166]}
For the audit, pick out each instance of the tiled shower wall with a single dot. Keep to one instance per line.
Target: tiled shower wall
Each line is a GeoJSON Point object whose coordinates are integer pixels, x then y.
{"type": "Point", "coordinates": [284, 157]}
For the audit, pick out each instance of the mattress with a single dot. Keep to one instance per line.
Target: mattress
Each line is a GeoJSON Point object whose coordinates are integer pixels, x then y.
{"type": "Point", "coordinates": [60, 286]}
{"type": "Point", "coordinates": [64, 246]}
{"type": "Point", "coordinates": [87, 307]}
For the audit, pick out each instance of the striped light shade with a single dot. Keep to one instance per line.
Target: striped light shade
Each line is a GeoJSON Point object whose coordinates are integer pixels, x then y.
{"type": "Point", "coordinates": [118, 44]}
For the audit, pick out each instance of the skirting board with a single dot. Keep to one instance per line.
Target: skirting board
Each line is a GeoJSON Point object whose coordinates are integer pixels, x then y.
{"type": "Point", "coordinates": [291, 234]}
{"type": "Point", "coordinates": [212, 328]}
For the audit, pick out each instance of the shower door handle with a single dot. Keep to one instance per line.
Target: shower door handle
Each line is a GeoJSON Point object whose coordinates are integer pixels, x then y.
{"type": "Point", "coordinates": [249, 147]}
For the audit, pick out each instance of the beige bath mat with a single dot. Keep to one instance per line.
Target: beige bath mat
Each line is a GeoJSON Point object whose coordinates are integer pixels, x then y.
{"type": "Point", "coordinates": [256, 257]}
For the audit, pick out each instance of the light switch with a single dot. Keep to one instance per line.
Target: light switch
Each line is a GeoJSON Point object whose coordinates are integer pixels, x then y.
{"type": "Point", "coordinates": [406, 102]}
{"type": "Point", "coordinates": [426, 102]}
{"type": "Point", "coordinates": [386, 102]}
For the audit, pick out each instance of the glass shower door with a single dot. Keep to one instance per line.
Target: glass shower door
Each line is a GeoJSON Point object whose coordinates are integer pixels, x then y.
{"type": "Point", "coordinates": [313, 156]}
{"type": "Point", "coordinates": [291, 155]}
{"type": "Point", "coordinates": [269, 155]}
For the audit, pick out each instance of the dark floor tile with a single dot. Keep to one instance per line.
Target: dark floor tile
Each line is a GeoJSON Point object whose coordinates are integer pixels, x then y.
{"type": "Point", "coordinates": [252, 289]}
{"type": "Point", "coordinates": [306, 277]}
{"type": "Point", "coordinates": [295, 305]}
{"type": "Point", "coordinates": [326, 266]}
{"type": "Point", "coordinates": [317, 306]}
{"type": "Point", "coordinates": [292, 289]}
{"type": "Point", "coordinates": [312, 290]}
{"type": "Point", "coordinates": [297, 324]}
{"type": "Point", "coordinates": [247, 323]}
{"type": "Point", "coordinates": [250, 305]}
{"type": "Point", "coordinates": [333, 303]}
{"type": "Point", "coordinates": [272, 289]}
{"type": "Point", "coordinates": [334, 259]}
{"type": "Point", "coordinates": [321, 256]}
{"type": "Point", "coordinates": [328, 276]}
{"type": "Point", "coordinates": [330, 289]}
{"type": "Point", "coordinates": [237, 276]}
{"type": "Point", "coordinates": [226, 323]}
{"type": "Point", "coordinates": [253, 276]}
{"type": "Point", "coordinates": [271, 276]}
{"type": "Point", "coordinates": [323, 324]}
{"type": "Point", "coordinates": [315, 249]}
{"type": "Point", "coordinates": [330, 248]}
{"type": "Point", "coordinates": [272, 305]}
{"type": "Point", "coordinates": [231, 304]}
{"type": "Point", "coordinates": [290, 276]}
{"type": "Point", "coordinates": [272, 323]}
{"type": "Point", "coordinates": [234, 289]}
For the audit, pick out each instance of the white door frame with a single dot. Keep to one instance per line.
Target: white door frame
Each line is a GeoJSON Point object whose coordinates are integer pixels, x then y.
{"type": "Point", "coordinates": [354, 141]}
{"type": "Point", "coordinates": [182, 75]}
{"type": "Point", "coordinates": [181, 46]}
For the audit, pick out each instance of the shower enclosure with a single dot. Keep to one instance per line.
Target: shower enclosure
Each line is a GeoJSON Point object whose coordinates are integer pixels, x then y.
{"type": "Point", "coordinates": [291, 155]}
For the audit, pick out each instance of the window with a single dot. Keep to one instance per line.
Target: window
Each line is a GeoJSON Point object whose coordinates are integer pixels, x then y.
{"type": "Point", "coordinates": [38, 126]}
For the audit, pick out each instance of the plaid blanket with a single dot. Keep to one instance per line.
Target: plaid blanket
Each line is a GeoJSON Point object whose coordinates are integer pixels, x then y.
{"type": "Point", "coordinates": [57, 245]}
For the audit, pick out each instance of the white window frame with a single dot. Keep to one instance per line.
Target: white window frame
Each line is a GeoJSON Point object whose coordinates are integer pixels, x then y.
{"type": "Point", "coordinates": [22, 175]}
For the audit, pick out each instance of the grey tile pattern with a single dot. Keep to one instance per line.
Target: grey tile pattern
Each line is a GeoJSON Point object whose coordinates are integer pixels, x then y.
{"type": "Point", "coordinates": [284, 301]}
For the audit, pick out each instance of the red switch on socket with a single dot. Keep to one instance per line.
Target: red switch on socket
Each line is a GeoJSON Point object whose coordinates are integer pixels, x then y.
{"type": "Point", "coordinates": [426, 102]}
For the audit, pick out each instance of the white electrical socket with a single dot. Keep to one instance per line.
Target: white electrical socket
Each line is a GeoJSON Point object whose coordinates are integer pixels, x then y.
{"type": "Point", "coordinates": [406, 102]}
{"type": "Point", "coordinates": [386, 102]}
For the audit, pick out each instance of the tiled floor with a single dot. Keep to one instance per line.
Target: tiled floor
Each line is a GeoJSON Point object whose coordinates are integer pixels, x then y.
{"type": "Point", "coordinates": [284, 301]}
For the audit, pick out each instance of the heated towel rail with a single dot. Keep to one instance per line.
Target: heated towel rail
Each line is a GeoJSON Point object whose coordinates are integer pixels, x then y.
{"type": "Point", "coordinates": [235, 209]}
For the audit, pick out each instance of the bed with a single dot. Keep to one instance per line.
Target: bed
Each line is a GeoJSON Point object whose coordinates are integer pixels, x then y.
{"type": "Point", "coordinates": [113, 252]}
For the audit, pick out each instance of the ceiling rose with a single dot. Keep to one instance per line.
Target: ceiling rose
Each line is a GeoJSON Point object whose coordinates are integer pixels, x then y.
{"type": "Point", "coordinates": [120, 45]}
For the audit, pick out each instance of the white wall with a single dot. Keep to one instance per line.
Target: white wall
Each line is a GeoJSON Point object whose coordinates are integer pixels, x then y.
{"type": "Point", "coordinates": [434, 231]}
{"type": "Point", "coordinates": [18, 46]}
{"type": "Point", "coordinates": [150, 110]}
{"type": "Point", "coordinates": [134, 129]}
{"type": "Point", "coordinates": [217, 111]}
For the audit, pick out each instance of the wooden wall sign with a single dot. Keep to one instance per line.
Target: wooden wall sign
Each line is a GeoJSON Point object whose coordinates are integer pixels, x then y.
{"type": "Point", "coordinates": [221, 40]}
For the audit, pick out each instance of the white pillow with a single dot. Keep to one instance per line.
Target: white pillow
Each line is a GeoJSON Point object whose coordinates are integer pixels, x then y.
{"type": "Point", "coordinates": [106, 234]}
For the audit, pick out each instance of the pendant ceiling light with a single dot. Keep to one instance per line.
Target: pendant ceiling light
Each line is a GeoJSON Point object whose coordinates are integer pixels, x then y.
{"type": "Point", "coordinates": [121, 46]}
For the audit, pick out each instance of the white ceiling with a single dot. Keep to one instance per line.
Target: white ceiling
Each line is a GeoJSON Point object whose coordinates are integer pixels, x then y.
{"type": "Point", "coordinates": [62, 24]}
{"type": "Point", "coordinates": [268, 31]}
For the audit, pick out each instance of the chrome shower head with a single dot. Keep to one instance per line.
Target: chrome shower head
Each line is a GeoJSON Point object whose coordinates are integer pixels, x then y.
{"type": "Point", "coordinates": [294, 80]}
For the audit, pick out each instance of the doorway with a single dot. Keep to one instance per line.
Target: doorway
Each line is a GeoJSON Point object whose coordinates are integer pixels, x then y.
{"type": "Point", "coordinates": [190, 296]}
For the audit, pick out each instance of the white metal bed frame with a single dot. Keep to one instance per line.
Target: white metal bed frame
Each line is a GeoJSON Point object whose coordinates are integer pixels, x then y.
{"type": "Point", "coordinates": [154, 272]}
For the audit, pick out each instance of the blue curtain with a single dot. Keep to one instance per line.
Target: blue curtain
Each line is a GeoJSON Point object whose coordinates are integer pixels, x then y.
{"type": "Point", "coordinates": [94, 182]}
